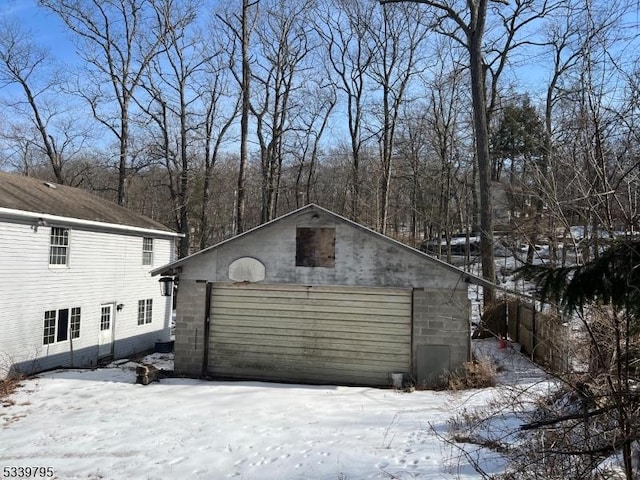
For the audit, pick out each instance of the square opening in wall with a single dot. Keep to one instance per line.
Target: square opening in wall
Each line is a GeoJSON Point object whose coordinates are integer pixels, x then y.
{"type": "Point", "coordinates": [315, 247]}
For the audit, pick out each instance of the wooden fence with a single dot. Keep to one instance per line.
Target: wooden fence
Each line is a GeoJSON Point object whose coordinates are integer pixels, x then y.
{"type": "Point", "coordinates": [544, 337]}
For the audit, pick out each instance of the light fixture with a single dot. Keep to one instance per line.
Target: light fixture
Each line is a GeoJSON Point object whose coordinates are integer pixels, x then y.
{"type": "Point", "coordinates": [119, 306]}
{"type": "Point", "coordinates": [42, 222]}
{"type": "Point", "coordinates": [166, 286]}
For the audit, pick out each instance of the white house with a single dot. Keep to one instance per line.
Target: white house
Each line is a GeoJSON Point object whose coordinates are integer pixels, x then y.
{"type": "Point", "coordinates": [75, 286]}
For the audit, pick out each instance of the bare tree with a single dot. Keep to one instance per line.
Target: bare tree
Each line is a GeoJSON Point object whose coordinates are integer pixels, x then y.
{"type": "Point", "coordinates": [444, 117]}
{"type": "Point", "coordinates": [239, 29]}
{"type": "Point", "coordinates": [244, 122]}
{"type": "Point", "coordinates": [21, 153]}
{"type": "Point", "coordinates": [214, 90]}
{"type": "Point", "coordinates": [25, 64]}
{"type": "Point", "coordinates": [398, 34]}
{"type": "Point", "coordinates": [173, 105]}
{"type": "Point", "coordinates": [282, 47]}
{"type": "Point", "coordinates": [431, 150]}
{"type": "Point", "coordinates": [313, 123]}
{"type": "Point", "coordinates": [466, 23]}
{"type": "Point", "coordinates": [582, 168]}
{"type": "Point", "coordinates": [350, 52]}
{"type": "Point", "coordinates": [117, 39]}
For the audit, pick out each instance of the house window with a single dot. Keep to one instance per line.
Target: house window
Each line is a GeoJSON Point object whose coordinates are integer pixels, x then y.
{"type": "Point", "coordinates": [49, 327]}
{"type": "Point", "coordinates": [105, 317]}
{"type": "Point", "coordinates": [144, 311]}
{"type": "Point", "coordinates": [63, 325]}
{"type": "Point", "coordinates": [316, 247]}
{"type": "Point", "coordinates": [147, 251]}
{"type": "Point", "coordinates": [58, 324]}
{"type": "Point", "coordinates": [75, 322]}
{"type": "Point", "coordinates": [59, 246]}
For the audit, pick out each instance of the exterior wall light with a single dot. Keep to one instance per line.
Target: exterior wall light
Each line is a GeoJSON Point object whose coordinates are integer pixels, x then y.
{"type": "Point", "coordinates": [166, 286]}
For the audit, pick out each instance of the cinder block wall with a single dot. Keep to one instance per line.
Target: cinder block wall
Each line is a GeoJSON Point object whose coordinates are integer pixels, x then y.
{"type": "Point", "coordinates": [190, 327]}
{"type": "Point", "coordinates": [441, 318]}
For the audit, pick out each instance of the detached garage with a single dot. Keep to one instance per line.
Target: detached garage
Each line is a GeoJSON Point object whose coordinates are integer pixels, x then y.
{"type": "Point", "coordinates": [346, 334]}
{"type": "Point", "coordinates": [312, 297]}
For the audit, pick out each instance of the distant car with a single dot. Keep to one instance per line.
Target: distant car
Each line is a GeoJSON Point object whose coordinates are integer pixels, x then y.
{"type": "Point", "coordinates": [458, 244]}
{"type": "Point", "coordinates": [541, 251]}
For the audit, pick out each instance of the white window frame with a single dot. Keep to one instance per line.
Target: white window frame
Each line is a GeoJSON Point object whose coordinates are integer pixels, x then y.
{"type": "Point", "coordinates": [75, 314]}
{"type": "Point", "coordinates": [49, 333]}
{"type": "Point", "coordinates": [147, 251]}
{"type": "Point", "coordinates": [105, 317]}
{"type": "Point", "coordinates": [51, 325]}
{"type": "Point", "coordinates": [59, 247]}
{"type": "Point", "coordinates": [145, 311]}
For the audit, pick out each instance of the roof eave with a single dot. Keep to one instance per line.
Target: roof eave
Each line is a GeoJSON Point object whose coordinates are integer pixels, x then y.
{"type": "Point", "coordinates": [79, 222]}
{"type": "Point", "coordinates": [170, 268]}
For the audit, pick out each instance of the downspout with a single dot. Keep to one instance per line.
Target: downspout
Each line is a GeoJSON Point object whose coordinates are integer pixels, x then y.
{"type": "Point", "coordinates": [413, 370]}
{"type": "Point", "coordinates": [207, 314]}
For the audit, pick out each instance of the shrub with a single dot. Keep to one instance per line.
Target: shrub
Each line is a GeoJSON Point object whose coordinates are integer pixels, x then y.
{"type": "Point", "coordinates": [474, 374]}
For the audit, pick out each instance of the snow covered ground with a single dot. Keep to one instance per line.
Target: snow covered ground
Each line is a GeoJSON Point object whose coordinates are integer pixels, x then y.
{"type": "Point", "coordinates": [93, 424]}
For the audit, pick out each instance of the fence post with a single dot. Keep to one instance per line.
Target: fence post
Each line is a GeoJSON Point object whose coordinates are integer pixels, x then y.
{"type": "Point", "coordinates": [534, 332]}
{"type": "Point", "coordinates": [518, 321]}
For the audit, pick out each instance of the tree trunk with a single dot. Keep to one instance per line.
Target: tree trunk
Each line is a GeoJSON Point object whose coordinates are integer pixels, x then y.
{"type": "Point", "coordinates": [122, 166]}
{"type": "Point", "coordinates": [480, 124]}
{"type": "Point", "coordinates": [244, 121]}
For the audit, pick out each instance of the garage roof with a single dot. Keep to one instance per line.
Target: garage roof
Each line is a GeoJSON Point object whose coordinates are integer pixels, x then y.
{"type": "Point", "coordinates": [171, 268]}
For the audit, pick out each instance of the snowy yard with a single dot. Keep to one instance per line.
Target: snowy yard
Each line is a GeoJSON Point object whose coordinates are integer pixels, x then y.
{"type": "Point", "coordinates": [99, 424]}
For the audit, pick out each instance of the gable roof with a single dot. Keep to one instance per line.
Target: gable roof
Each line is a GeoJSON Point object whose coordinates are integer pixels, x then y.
{"type": "Point", "coordinates": [33, 198]}
{"type": "Point", "coordinates": [167, 269]}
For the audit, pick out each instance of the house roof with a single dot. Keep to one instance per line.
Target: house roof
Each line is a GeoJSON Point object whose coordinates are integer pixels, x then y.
{"type": "Point", "coordinates": [170, 268]}
{"type": "Point", "coordinates": [30, 197]}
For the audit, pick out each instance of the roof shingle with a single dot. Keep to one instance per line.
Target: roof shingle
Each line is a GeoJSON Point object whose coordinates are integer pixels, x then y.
{"type": "Point", "coordinates": [37, 196]}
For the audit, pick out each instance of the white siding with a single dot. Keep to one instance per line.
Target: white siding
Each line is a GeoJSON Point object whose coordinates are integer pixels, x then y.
{"type": "Point", "coordinates": [102, 268]}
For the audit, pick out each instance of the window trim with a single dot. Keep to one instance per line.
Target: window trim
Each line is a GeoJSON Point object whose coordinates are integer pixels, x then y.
{"type": "Point", "coordinates": [51, 332]}
{"type": "Point", "coordinates": [106, 317]}
{"type": "Point", "coordinates": [65, 234]}
{"type": "Point", "coordinates": [147, 251]}
{"type": "Point", "coordinates": [145, 311]}
{"type": "Point", "coordinates": [49, 327]}
{"type": "Point", "coordinates": [75, 315]}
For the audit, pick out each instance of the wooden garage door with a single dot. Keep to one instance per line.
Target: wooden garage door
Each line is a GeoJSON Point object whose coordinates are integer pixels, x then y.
{"type": "Point", "coordinates": [310, 334]}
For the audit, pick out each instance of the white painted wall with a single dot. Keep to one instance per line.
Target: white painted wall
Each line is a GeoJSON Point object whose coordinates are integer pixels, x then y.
{"type": "Point", "coordinates": [103, 267]}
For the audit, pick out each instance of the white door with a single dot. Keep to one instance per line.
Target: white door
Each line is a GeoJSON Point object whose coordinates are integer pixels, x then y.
{"type": "Point", "coordinates": [105, 336]}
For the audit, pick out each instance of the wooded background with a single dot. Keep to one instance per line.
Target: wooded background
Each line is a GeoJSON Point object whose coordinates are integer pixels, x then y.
{"type": "Point", "coordinates": [363, 108]}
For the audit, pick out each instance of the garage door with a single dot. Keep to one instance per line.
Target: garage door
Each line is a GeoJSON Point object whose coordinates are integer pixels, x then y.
{"type": "Point", "coordinates": [309, 334]}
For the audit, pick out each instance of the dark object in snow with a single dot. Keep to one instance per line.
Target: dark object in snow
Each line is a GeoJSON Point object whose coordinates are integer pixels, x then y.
{"type": "Point", "coordinates": [145, 374]}
{"type": "Point", "coordinates": [164, 347]}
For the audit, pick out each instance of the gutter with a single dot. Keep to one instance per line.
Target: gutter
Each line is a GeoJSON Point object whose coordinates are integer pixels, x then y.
{"type": "Point", "coordinates": [56, 219]}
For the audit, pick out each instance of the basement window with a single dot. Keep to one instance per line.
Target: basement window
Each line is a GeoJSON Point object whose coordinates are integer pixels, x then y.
{"type": "Point", "coordinates": [316, 247]}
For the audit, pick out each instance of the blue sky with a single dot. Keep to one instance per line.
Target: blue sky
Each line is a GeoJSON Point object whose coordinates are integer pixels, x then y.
{"type": "Point", "coordinates": [47, 29]}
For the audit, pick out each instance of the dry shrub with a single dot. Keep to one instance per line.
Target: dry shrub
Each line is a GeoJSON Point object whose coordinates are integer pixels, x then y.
{"type": "Point", "coordinates": [8, 385]}
{"type": "Point", "coordinates": [474, 374]}
{"type": "Point", "coordinates": [9, 381]}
